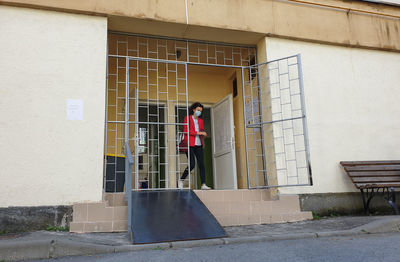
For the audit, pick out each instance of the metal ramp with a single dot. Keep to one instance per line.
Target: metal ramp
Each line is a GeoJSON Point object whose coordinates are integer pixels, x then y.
{"type": "Point", "coordinates": [171, 215]}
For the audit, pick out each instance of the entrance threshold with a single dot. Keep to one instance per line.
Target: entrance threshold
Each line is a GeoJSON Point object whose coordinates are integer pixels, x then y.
{"type": "Point", "coordinates": [171, 215]}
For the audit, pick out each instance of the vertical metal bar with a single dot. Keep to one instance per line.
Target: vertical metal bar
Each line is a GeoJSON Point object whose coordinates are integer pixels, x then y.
{"type": "Point", "coordinates": [128, 189]}
{"type": "Point", "coordinates": [116, 117]}
{"type": "Point", "coordinates": [126, 100]}
{"type": "Point", "coordinates": [168, 149]}
{"type": "Point", "coordinates": [136, 139]}
{"type": "Point", "coordinates": [176, 114]}
{"type": "Point", "coordinates": [260, 108]}
{"type": "Point", "coordinates": [106, 126]}
{"type": "Point", "coordinates": [187, 111]}
{"type": "Point", "coordinates": [126, 141]}
{"type": "Point", "coordinates": [150, 174]}
{"type": "Point", "coordinates": [158, 126]}
{"type": "Point", "coordinates": [303, 108]}
{"type": "Point", "coordinates": [252, 116]}
{"type": "Point", "coordinates": [245, 129]}
{"type": "Point", "coordinates": [187, 114]}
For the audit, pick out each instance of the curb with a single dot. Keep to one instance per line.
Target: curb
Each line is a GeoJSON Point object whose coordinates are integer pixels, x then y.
{"type": "Point", "coordinates": [52, 248]}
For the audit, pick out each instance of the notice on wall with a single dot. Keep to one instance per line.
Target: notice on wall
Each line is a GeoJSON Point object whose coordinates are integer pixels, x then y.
{"type": "Point", "coordinates": [74, 109]}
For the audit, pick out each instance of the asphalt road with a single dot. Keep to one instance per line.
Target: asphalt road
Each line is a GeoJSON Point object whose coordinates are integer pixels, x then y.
{"type": "Point", "coordinates": [382, 247]}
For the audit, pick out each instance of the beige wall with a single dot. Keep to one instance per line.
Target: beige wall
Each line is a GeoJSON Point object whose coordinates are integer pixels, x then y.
{"type": "Point", "coordinates": [208, 87]}
{"type": "Point", "coordinates": [46, 58]}
{"type": "Point", "coordinates": [352, 108]}
{"type": "Point", "coordinates": [349, 23]}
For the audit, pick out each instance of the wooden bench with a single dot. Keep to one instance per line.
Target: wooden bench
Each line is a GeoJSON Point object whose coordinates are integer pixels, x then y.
{"type": "Point", "coordinates": [373, 177]}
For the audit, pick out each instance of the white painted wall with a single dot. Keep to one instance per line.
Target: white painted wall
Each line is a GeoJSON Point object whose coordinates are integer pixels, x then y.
{"type": "Point", "coordinates": [45, 58]}
{"type": "Point", "coordinates": [352, 102]}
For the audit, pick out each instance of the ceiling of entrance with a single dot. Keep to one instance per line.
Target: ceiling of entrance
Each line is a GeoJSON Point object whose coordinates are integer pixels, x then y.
{"type": "Point", "coordinates": [151, 27]}
{"type": "Point", "coordinates": [226, 71]}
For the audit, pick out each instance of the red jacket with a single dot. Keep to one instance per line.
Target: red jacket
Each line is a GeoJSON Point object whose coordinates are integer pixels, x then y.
{"type": "Point", "coordinates": [192, 131]}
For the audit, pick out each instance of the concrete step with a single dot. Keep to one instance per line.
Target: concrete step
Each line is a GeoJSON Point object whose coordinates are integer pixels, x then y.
{"type": "Point", "coordinates": [99, 226]}
{"type": "Point", "coordinates": [249, 207]}
{"type": "Point", "coordinates": [98, 217]}
{"type": "Point", "coordinates": [230, 207]}
{"type": "Point", "coordinates": [116, 199]}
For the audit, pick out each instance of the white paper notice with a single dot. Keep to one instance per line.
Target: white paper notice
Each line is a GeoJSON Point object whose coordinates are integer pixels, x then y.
{"type": "Point", "coordinates": [74, 109]}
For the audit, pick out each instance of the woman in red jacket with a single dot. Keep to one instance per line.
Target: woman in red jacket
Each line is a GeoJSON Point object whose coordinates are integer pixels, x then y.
{"type": "Point", "coordinates": [196, 134]}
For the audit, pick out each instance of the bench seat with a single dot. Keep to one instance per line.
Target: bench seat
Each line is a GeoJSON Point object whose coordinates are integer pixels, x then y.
{"type": "Point", "coordinates": [371, 176]}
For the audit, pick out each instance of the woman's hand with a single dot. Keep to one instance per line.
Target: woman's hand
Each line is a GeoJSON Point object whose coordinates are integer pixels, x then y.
{"type": "Point", "coordinates": [202, 133]}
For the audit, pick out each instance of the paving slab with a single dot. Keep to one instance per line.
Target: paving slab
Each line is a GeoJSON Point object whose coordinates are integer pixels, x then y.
{"type": "Point", "coordinates": [308, 226]}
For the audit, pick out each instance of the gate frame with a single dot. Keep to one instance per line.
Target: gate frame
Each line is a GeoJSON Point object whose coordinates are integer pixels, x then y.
{"type": "Point", "coordinates": [261, 124]}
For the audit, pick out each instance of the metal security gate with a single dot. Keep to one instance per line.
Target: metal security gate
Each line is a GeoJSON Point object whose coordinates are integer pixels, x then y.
{"type": "Point", "coordinates": [153, 97]}
{"type": "Point", "coordinates": [277, 149]}
{"type": "Point", "coordinates": [147, 98]}
{"type": "Point", "coordinates": [158, 91]}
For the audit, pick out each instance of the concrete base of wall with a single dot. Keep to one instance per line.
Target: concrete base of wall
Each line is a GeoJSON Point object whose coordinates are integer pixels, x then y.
{"type": "Point", "coordinates": [343, 203]}
{"type": "Point", "coordinates": [22, 219]}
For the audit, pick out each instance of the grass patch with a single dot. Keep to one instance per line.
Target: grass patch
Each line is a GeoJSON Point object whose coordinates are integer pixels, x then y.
{"type": "Point", "coordinates": [315, 216]}
{"type": "Point", "coordinates": [53, 228]}
{"type": "Point", "coordinates": [157, 248]}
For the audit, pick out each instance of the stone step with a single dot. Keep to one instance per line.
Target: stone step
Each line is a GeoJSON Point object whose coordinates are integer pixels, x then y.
{"type": "Point", "coordinates": [233, 195]}
{"type": "Point", "coordinates": [93, 212]}
{"type": "Point", "coordinates": [116, 199]}
{"type": "Point", "coordinates": [230, 207]}
{"type": "Point", "coordinates": [99, 226]}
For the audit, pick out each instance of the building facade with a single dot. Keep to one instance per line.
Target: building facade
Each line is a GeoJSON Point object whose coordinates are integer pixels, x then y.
{"type": "Point", "coordinates": [290, 89]}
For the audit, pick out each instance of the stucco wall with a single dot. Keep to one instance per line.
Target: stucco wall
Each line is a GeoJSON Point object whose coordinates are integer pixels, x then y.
{"type": "Point", "coordinates": [46, 58]}
{"type": "Point", "coordinates": [352, 108]}
{"type": "Point", "coordinates": [348, 23]}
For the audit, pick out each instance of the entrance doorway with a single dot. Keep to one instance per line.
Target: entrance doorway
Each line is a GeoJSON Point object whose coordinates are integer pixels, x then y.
{"type": "Point", "coordinates": [256, 112]}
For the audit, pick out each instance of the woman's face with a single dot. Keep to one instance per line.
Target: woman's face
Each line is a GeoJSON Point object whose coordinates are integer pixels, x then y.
{"type": "Point", "coordinates": [197, 109]}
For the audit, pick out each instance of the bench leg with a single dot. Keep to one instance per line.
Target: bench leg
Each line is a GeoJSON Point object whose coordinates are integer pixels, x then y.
{"type": "Point", "coordinates": [391, 199]}
{"type": "Point", "coordinates": [366, 198]}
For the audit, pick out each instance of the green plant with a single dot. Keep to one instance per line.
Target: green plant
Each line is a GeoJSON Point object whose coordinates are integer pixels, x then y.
{"type": "Point", "coordinates": [333, 213]}
{"type": "Point", "coordinates": [3, 260]}
{"type": "Point", "coordinates": [315, 216]}
{"type": "Point", "coordinates": [158, 248]}
{"type": "Point", "coordinates": [53, 228]}
{"type": "Point", "coordinates": [3, 232]}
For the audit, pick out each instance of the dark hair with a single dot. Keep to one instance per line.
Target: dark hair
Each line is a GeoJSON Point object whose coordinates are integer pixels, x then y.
{"type": "Point", "coordinates": [194, 106]}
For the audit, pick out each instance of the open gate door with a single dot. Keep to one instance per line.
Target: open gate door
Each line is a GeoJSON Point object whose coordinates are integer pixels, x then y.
{"type": "Point", "coordinates": [275, 124]}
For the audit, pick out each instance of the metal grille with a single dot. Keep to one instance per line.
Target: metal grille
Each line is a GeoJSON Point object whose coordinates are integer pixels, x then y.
{"type": "Point", "coordinates": [153, 91]}
{"type": "Point", "coordinates": [194, 52]}
{"type": "Point", "coordinates": [147, 94]}
{"type": "Point", "coordinates": [145, 110]}
{"type": "Point", "coordinates": [276, 131]}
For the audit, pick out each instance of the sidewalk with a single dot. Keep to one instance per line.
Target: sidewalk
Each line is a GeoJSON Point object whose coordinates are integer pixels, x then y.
{"type": "Point", "coordinates": [44, 244]}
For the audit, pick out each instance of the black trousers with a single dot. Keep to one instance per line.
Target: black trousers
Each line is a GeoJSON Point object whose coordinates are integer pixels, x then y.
{"type": "Point", "coordinates": [198, 152]}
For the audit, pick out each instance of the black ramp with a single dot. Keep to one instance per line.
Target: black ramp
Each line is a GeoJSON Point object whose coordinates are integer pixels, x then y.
{"type": "Point", "coordinates": [171, 215]}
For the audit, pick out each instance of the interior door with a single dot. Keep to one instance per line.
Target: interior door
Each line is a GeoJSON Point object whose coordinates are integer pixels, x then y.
{"type": "Point", "coordinates": [223, 146]}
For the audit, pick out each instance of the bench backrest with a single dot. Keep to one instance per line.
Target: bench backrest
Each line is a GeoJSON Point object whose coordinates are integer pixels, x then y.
{"type": "Point", "coordinates": [373, 174]}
